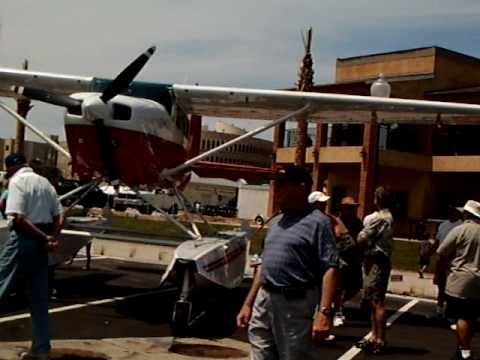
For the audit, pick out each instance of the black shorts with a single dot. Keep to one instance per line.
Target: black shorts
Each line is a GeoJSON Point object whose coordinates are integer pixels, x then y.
{"type": "Point", "coordinates": [465, 309]}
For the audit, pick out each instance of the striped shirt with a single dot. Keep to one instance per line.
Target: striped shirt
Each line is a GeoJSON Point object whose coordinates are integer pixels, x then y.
{"type": "Point", "coordinates": [299, 247]}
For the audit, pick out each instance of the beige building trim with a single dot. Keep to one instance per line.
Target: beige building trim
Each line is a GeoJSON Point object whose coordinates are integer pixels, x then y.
{"type": "Point", "coordinates": [331, 154]}
{"type": "Point", "coordinates": [456, 163]}
{"type": "Point", "coordinates": [404, 160]}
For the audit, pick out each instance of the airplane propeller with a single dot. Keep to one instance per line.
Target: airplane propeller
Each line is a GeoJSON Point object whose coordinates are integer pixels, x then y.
{"type": "Point", "coordinates": [121, 82]}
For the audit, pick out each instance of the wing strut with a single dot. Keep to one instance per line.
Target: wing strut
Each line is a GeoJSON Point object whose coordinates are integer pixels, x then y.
{"type": "Point", "coordinates": [35, 130]}
{"type": "Point", "coordinates": [300, 112]}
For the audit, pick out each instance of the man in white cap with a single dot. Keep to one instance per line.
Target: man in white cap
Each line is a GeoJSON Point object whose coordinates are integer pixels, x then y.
{"type": "Point", "coordinates": [320, 200]}
{"type": "Point", "coordinates": [461, 251]}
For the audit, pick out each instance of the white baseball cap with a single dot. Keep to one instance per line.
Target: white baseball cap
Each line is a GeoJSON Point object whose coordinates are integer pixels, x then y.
{"type": "Point", "coordinates": [317, 196]}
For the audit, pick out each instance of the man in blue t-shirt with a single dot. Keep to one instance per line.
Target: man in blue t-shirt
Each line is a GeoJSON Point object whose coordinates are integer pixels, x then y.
{"type": "Point", "coordinates": [288, 308]}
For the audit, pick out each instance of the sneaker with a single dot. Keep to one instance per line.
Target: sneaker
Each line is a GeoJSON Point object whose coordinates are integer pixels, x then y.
{"type": "Point", "coordinates": [378, 349]}
{"type": "Point", "coordinates": [338, 320]}
{"type": "Point", "coordinates": [453, 327]}
{"type": "Point", "coordinates": [458, 356]}
{"type": "Point", "coordinates": [31, 356]}
{"type": "Point", "coordinates": [54, 295]}
{"type": "Point", "coordinates": [365, 344]}
{"type": "Point", "coordinates": [330, 337]}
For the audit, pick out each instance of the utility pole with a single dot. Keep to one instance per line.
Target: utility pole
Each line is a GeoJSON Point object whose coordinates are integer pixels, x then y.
{"type": "Point", "coordinates": [305, 83]}
{"type": "Point", "coordinates": [23, 107]}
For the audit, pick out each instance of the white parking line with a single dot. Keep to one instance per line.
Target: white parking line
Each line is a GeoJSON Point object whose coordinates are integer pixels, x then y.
{"type": "Point", "coordinates": [354, 351]}
{"type": "Point", "coordinates": [407, 297]}
{"type": "Point", "coordinates": [86, 304]}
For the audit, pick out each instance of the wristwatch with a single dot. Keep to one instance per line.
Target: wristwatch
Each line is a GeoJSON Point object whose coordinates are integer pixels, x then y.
{"type": "Point", "coordinates": [327, 311]}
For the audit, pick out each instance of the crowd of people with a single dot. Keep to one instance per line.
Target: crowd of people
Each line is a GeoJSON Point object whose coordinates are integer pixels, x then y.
{"type": "Point", "coordinates": [313, 261]}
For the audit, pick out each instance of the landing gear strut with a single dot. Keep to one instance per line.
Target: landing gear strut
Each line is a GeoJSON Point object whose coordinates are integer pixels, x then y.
{"type": "Point", "coordinates": [183, 316]}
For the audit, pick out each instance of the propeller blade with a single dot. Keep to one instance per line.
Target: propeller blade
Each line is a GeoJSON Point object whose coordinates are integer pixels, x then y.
{"type": "Point", "coordinates": [124, 79]}
{"type": "Point", "coordinates": [48, 97]}
{"type": "Point", "coordinates": [106, 148]}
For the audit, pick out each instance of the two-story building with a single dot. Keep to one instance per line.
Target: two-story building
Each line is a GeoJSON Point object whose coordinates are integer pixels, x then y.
{"type": "Point", "coordinates": [427, 167]}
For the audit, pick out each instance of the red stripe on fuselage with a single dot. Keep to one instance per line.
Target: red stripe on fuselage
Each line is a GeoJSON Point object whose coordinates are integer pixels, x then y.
{"type": "Point", "coordinates": [230, 257]}
{"type": "Point", "coordinates": [137, 157]}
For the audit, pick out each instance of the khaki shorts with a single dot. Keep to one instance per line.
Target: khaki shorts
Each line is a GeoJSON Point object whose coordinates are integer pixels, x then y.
{"type": "Point", "coordinates": [377, 273]}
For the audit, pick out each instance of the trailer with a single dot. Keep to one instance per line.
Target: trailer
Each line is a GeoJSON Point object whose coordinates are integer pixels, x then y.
{"type": "Point", "coordinates": [253, 202]}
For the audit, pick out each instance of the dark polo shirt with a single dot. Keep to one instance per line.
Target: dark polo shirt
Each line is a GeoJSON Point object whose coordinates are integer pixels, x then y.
{"type": "Point", "coordinates": [299, 247]}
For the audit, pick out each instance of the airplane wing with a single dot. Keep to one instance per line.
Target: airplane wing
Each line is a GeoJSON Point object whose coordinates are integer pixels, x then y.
{"type": "Point", "coordinates": [325, 108]}
{"type": "Point", "coordinates": [57, 83]}
{"type": "Point", "coordinates": [255, 103]}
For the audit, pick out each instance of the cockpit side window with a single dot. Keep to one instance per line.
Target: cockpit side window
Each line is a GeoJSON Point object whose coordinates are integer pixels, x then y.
{"type": "Point", "coordinates": [122, 112]}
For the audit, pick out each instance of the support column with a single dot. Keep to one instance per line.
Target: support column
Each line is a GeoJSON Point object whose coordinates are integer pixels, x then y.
{"type": "Point", "coordinates": [23, 107]}
{"type": "Point", "coordinates": [320, 140]}
{"type": "Point", "coordinates": [368, 167]}
{"type": "Point", "coordinates": [278, 141]}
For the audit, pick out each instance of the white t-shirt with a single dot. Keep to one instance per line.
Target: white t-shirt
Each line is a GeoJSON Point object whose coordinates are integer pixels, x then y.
{"type": "Point", "coordinates": [33, 196]}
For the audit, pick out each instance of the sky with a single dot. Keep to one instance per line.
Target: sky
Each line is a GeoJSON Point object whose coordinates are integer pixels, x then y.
{"type": "Point", "coordinates": [254, 44]}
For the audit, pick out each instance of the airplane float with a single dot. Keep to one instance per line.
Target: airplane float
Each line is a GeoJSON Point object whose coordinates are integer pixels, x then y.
{"type": "Point", "coordinates": [141, 133]}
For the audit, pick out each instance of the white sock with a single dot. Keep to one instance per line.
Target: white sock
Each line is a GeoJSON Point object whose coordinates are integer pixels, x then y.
{"type": "Point", "coordinates": [466, 353]}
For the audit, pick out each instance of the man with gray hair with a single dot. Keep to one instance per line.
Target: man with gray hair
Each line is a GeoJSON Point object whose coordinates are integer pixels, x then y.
{"type": "Point", "coordinates": [35, 214]}
{"type": "Point", "coordinates": [460, 255]}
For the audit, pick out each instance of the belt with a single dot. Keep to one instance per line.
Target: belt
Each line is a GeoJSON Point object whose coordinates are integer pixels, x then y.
{"type": "Point", "coordinates": [287, 290]}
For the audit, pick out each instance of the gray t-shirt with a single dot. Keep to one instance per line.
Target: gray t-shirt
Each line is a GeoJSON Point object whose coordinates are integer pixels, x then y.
{"type": "Point", "coordinates": [378, 231]}
{"type": "Point", "coordinates": [462, 248]}
{"type": "Point", "coordinates": [299, 247]}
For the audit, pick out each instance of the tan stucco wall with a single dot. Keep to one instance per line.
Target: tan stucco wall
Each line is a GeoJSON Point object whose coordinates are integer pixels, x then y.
{"type": "Point", "coordinates": [397, 64]}
{"type": "Point", "coordinates": [330, 154]}
{"type": "Point", "coordinates": [455, 70]}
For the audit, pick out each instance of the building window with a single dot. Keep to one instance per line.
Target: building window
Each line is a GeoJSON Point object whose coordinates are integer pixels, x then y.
{"type": "Point", "coordinates": [399, 205]}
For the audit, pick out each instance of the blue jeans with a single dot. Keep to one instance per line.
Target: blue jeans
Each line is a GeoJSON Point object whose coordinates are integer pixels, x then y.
{"type": "Point", "coordinates": [24, 259]}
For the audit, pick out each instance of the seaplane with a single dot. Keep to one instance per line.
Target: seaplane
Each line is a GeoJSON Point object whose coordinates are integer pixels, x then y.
{"type": "Point", "coordinates": [143, 133]}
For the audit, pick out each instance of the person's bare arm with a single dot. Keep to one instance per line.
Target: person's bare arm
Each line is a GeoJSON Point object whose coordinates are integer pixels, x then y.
{"type": "Point", "coordinates": [25, 226]}
{"type": "Point", "coordinates": [57, 225]}
{"type": "Point", "coordinates": [245, 313]}
{"type": "Point", "coordinates": [322, 324]}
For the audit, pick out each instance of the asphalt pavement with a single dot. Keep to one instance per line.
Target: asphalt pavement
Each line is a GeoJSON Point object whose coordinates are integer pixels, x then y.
{"type": "Point", "coordinates": [117, 311]}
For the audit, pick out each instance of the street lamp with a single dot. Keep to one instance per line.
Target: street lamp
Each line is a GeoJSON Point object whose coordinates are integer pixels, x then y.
{"type": "Point", "coordinates": [380, 87]}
